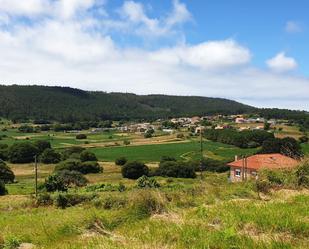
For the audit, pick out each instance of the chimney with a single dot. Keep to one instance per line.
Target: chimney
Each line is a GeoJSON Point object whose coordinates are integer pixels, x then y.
{"type": "Point", "coordinates": [236, 158]}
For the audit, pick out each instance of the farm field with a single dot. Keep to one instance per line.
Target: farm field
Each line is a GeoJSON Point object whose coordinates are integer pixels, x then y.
{"type": "Point", "coordinates": [187, 149]}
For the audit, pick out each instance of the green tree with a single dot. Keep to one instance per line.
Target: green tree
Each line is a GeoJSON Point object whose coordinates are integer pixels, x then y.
{"type": "Point", "coordinates": [88, 156]}
{"type": "Point", "coordinates": [22, 152]}
{"type": "Point", "coordinates": [134, 170]}
{"type": "Point", "coordinates": [50, 156]}
{"type": "Point", "coordinates": [42, 145]}
{"type": "Point", "coordinates": [6, 174]}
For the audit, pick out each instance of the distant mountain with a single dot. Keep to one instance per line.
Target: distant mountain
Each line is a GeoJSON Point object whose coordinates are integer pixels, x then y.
{"type": "Point", "coordinates": [68, 104]}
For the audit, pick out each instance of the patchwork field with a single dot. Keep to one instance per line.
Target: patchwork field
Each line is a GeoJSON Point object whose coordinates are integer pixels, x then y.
{"type": "Point", "coordinates": [154, 152]}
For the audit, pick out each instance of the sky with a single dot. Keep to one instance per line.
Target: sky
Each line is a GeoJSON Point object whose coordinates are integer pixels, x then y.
{"type": "Point", "coordinates": [255, 52]}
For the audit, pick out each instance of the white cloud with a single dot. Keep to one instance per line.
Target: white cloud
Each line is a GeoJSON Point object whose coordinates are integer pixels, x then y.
{"type": "Point", "coordinates": [282, 63]}
{"type": "Point", "coordinates": [179, 15]}
{"type": "Point", "coordinates": [135, 18]}
{"type": "Point", "coordinates": [293, 27]}
{"type": "Point", "coordinates": [211, 55]}
{"type": "Point", "coordinates": [29, 7]}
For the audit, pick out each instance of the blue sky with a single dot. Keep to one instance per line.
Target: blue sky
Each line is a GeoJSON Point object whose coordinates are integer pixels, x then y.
{"type": "Point", "coordinates": [255, 52]}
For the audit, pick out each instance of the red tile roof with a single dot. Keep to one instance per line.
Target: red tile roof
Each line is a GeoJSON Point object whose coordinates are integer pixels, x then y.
{"type": "Point", "coordinates": [272, 161]}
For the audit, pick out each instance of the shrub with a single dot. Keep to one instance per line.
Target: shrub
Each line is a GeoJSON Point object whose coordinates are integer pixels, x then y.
{"type": "Point", "coordinates": [42, 145]}
{"type": "Point", "coordinates": [12, 243]}
{"type": "Point", "coordinates": [126, 142]}
{"type": "Point", "coordinates": [90, 168]}
{"type": "Point", "coordinates": [81, 136]}
{"type": "Point", "coordinates": [4, 151]}
{"type": "Point", "coordinates": [64, 179]}
{"type": "Point", "coordinates": [50, 156]}
{"type": "Point", "coordinates": [82, 167]}
{"type": "Point", "coordinates": [121, 161]}
{"type": "Point", "coordinates": [6, 174]}
{"type": "Point", "coordinates": [63, 200]}
{"type": "Point", "coordinates": [88, 156]}
{"type": "Point", "coordinates": [22, 152]}
{"type": "Point", "coordinates": [147, 182]}
{"type": "Point", "coordinates": [176, 169]}
{"type": "Point", "coordinates": [26, 129]}
{"type": "Point", "coordinates": [148, 202]}
{"type": "Point", "coordinates": [68, 152]}
{"type": "Point", "coordinates": [303, 139]}
{"type": "Point", "coordinates": [302, 173]}
{"type": "Point", "coordinates": [180, 135]}
{"type": "Point", "coordinates": [110, 202]}
{"type": "Point", "coordinates": [212, 165]}
{"type": "Point", "coordinates": [44, 200]}
{"type": "Point", "coordinates": [3, 190]}
{"type": "Point", "coordinates": [134, 170]}
{"type": "Point", "coordinates": [55, 183]}
{"type": "Point", "coordinates": [263, 186]}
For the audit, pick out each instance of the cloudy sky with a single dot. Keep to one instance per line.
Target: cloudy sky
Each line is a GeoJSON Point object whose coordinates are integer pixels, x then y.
{"type": "Point", "coordinates": [256, 52]}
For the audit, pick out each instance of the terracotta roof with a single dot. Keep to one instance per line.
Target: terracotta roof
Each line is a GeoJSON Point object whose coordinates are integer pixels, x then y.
{"type": "Point", "coordinates": [272, 161]}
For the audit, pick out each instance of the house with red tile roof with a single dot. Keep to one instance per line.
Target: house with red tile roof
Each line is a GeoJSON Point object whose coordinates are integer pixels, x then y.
{"type": "Point", "coordinates": [247, 168]}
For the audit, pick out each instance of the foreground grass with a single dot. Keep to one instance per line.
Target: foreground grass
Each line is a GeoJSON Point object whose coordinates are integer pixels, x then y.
{"type": "Point", "coordinates": [182, 213]}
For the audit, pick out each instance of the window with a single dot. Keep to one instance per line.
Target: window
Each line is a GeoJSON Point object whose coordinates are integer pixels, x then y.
{"type": "Point", "coordinates": [237, 172]}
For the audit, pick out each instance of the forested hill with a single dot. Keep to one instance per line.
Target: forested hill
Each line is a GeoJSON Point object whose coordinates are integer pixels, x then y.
{"type": "Point", "coordinates": [67, 104]}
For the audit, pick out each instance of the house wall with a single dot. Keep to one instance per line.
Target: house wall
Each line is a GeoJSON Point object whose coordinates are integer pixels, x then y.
{"type": "Point", "coordinates": [247, 174]}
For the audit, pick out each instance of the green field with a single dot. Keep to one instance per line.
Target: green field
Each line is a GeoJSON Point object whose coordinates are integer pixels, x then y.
{"type": "Point", "coordinates": [60, 139]}
{"type": "Point", "coordinates": [154, 152]}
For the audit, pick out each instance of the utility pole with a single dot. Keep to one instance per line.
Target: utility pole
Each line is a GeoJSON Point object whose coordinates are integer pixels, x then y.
{"type": "Point", "coordinates": [36, 175]}
{"type": "Point", "coordinates": [201, 148]}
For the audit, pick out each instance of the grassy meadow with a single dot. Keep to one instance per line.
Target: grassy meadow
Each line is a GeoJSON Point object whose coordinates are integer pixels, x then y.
{"type": "Point", "coordinates": [183, 213]}
{"type": "Point", "coordinates": [206, 212]}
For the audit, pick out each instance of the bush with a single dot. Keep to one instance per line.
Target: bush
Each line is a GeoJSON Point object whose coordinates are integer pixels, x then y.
{"type": "Point", "coordinates": [88, 156]}
{"type": "Point", "coordinates": [64, 179]}
{"type": "Point", "coordinates": [82, 167]}
{"type": "Point", "coordinates": [126, 142]}
{"type": "Point", "coordinates": [302, 173]}
{"type": "Point", "coordinates": [303, 139]}
{"type": "Point", "coordinates": [63, 200]}
{"type": "Point", "coordinates": [110, 202]}
{"type": "Point", "coordinates": [3, 190]}
{"type": "Point", "coordinates": [26, 129]}
{"type": "Point", "coordinates": [42, 145]}
{"type": "Point", "coordinates": [263, 186]}
{"type": "Point", "coordinates": [120, 161]}
{"type": "Point", "coordinates": [6, 174]}
{"type": "Point", "coordinates": [134, 170]}
{"type": "Point", "coordinates": [176, 169]}
{"type": "Point", "coordinates": [90, 167]}
{"type": "Point", "coordinates": [50, 156]}
{"type": "Point", "coordinates": [68, 152]}
{"type": "Point", "coordinates": [147, 182]}
{"type": "Point", "coordinates": [81, 136]}
{"type": "Point", "coordinates": [212, 165]}
{"type": "Point", "coordinates": [44, 200]}
{"type": "Point", "coordinates": [4, 151]}
{"type": "Point", "coordinates": [148, 202]}
{"type": "Point", "coordinates": [22, 152]}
